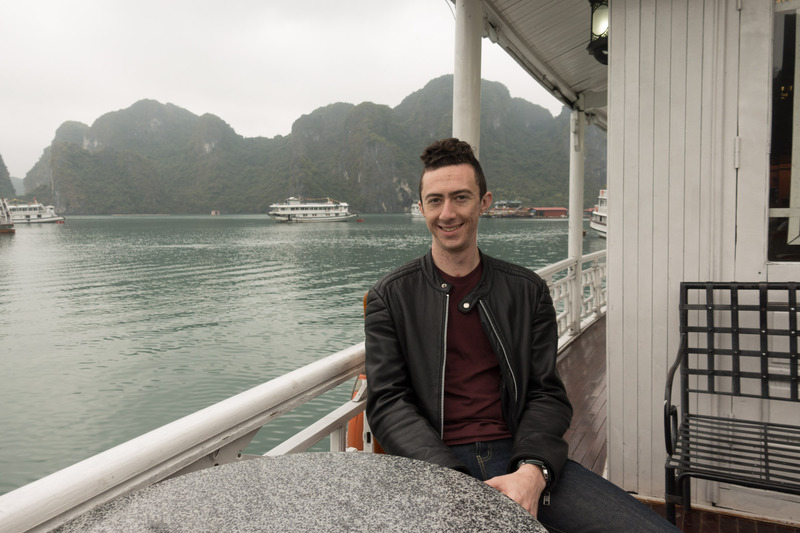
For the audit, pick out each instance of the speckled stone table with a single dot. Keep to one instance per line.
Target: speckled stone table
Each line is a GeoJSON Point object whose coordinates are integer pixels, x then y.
{"type": "Point", "coordinates": [314, 492]}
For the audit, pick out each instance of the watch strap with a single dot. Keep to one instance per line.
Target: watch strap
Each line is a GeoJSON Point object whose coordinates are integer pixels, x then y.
{"type": "Point", "coordinates": [540, 464]}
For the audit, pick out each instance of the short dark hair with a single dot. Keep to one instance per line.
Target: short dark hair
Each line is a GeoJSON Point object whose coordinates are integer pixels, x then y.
{"type": "Point", "coordinates": [452, 151]}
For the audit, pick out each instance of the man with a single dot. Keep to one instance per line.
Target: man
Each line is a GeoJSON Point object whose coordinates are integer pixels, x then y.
{"type": "Point", "coordinates": [461, 362]}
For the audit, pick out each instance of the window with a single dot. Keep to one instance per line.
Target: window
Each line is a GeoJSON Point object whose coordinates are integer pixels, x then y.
{"type": "Point", "coordinates": [784, 176]}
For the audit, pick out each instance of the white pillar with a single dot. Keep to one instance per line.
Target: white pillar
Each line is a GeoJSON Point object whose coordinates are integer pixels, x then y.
{"type": "Point", "coordinates": [575, 252]}
{"type": "Point", "coordinates": [467, 72]}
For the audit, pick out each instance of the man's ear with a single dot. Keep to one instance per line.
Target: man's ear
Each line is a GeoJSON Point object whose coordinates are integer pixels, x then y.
{"type": "Point", "coordinates": [486, 201]}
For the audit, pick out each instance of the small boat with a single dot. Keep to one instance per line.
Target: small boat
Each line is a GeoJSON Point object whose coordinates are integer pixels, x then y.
{"type": "Point", "coordinates": [6, 220]}
{"type": "Point", "coordinates": [415, 212]}
{"type": "Point", "coordinates": [598, 220]}
{"type": "Point", "coordinates": [508, 209]}
{"type": "Point", "coordinates": [311, 210]}
{"type": "Point", "coordinates": [34, 213]}
{"type": "Point", "coordinates": [215, 213]}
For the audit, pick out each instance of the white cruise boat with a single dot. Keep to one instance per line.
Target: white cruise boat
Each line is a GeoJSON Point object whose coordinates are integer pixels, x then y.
{"type": "Point", "coordinates": [598, 220]}
{"type": "Point", "coordinates": [415, 212]}
{"type": "Point", "coordinates": [311, 210]}
{"type": "Point", "coordinates": [34, 213]}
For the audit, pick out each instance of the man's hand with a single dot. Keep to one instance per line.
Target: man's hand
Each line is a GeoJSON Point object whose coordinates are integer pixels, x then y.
{"type": "Point", "coordinates": [524, 486]}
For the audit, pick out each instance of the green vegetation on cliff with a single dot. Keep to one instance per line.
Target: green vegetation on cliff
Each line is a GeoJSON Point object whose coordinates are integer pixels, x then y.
{"type": "Point", "coordinates": [160, 158]}
{"type": "Point", "coordinates": [6, 187]}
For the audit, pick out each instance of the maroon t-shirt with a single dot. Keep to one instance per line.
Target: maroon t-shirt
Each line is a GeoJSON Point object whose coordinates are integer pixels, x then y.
{"type": "Point", "coordinates": [472, 410]}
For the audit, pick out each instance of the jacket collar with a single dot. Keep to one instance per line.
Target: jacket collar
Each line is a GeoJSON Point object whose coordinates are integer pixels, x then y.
{"type": "Point", "coordinates": [480, 290]}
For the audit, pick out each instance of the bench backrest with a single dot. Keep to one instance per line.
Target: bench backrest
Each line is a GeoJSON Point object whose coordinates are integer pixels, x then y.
{"type": "Point", "coordinates": [739, 339]}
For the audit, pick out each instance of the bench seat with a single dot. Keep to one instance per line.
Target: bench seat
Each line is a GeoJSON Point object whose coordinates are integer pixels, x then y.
{"type": "Point", "coordinates": [743, 452]}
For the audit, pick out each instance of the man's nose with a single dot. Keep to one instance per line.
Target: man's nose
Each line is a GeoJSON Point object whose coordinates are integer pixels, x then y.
{"type": "Point", "coordinates": [448, 210]}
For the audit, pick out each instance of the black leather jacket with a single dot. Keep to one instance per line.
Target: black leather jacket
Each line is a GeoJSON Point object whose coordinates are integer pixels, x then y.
{"type": "Point", "coordinates": [405, 325]}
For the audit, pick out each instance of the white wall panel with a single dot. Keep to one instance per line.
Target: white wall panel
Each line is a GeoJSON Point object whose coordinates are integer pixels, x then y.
{"type": "Point", "coordinates": [689, 81]}
{"type": "Point", "coordinates": [615, 278]}
{"type": "Point", "coordinates": [663, 218]}
{"type": "Point", "coordinates": [647, 220]}
{"type": "Point", "coordinates": [672, 124]}
{"type": "Point", "coordinates": [629, 239]}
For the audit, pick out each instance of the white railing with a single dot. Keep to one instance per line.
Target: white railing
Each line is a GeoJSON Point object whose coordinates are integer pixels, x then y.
{"type": "Point", "coordinates": [217, 434]}
{"type": "Point", "coordinates": [591, 283]}
{"type": "Point", "coordinates": [209, 437]}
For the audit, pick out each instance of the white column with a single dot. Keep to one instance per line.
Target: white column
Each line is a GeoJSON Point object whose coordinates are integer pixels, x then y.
{"type": "Point", "coordinates": [575, 252]}
{"type": "Point", "coordinates": [467, 72]}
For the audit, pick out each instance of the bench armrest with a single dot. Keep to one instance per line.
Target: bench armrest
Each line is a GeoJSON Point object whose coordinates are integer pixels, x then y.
{"type": "Point", "coordinates": [670, 411]}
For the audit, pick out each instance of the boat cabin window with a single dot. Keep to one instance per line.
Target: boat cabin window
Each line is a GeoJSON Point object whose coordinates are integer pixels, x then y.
{"type": "Point", "coordinates": [784, 184]}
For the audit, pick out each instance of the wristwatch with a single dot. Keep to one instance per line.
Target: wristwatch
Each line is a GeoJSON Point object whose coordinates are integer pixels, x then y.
{"type": "Point", "coordinates": [541, 465]}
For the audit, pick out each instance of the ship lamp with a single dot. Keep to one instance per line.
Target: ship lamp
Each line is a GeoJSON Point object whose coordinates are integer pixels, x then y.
{"type": "Point", "coordinates": [598, 43]}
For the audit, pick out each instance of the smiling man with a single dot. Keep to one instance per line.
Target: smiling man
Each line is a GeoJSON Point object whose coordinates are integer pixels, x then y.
{"type": "Point", "coordinates": [461, 364]}
{"type": "Point", "coordinates": [451, 205]}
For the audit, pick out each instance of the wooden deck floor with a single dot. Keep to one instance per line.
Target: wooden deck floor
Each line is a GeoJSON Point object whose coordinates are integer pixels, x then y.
{"type": "Point", "coordinates": [583, 368]}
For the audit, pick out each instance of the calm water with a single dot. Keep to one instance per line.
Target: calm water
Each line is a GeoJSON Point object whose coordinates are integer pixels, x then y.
{"type": "Point", "coordinates": [113, 326]}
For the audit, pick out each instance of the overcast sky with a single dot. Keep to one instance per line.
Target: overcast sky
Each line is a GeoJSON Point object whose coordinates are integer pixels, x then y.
{"type": "Point", "coordinates": [257, 64]}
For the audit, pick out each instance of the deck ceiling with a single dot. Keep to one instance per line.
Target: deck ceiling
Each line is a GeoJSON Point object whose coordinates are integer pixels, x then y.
{"type": "Point", "coordinates": [548, 39]}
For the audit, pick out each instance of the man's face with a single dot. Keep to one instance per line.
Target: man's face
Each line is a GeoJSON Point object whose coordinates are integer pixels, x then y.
{"type": "Point", "coordinates": [451, 203]}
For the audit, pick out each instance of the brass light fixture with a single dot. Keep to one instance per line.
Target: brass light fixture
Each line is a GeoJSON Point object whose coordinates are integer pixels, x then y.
{"type": "Point", "coordinates": [598, 44]}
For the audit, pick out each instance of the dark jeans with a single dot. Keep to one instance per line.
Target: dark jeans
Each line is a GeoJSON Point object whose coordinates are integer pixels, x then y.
{"type": "Point", "coordinates": [581, 501]}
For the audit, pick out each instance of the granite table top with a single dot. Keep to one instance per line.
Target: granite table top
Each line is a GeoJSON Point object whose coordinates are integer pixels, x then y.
{"type": "Point", "coordinates": [345, 491]}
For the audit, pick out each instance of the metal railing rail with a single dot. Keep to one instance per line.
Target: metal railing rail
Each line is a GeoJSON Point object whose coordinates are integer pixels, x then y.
{"type": "Point", "coordinates": [217, 434]}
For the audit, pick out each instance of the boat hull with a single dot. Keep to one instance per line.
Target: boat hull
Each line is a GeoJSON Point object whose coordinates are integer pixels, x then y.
{"type": "Point", "coordinates": [51, 220]}
{"type": "Point", "coordinates": [309, 219]}
{"type": "Point", "coordinates": [599, 227]}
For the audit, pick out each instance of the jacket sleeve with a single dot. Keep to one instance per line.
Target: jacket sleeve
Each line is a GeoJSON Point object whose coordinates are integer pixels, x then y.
{"type": "Point", "coordinates": [547, 413]}
{"type": "Point", "coordinates": [395, 419]}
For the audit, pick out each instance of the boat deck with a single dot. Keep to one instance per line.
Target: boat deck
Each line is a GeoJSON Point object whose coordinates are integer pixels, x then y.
{"type": "Point", "coordinates": [583, 368]}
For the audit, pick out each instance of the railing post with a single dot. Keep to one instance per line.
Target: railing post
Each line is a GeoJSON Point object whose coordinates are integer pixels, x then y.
{"type": "Point", "coordinates": [597, 287]}
{"type": "Point", "coordinates": [575, 253]}
{"type": "Point", "coordinates": [339, 439]}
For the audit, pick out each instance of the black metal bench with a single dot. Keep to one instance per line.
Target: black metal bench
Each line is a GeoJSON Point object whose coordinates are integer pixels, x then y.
{"type": "Point", "coordinates": [738, 340]}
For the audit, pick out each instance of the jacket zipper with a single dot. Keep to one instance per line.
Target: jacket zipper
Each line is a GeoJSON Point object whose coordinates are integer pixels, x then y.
{"type": "Point", "coordinates": [444, 364]}
{"type": "Point", "coordinates": [546, 496]}
{"type": "Point", "coordinates": [502, 348]}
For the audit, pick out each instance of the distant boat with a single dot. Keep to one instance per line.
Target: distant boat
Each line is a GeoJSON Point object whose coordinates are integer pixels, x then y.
{"type": "Point", "coordinates": [34, 213]}
{"type": "Point", "coordinates": [508, 209]}
{"type": "Point", "coordinates": [599, 218]}
{"type": "Point", "coordinates": [415, 212]}
{"type": "Point", "coordinates": [6, 220]}
{"type": "Point", "coordinates": [311, 210]}
{"type": "Point", "coordinates": [215, 213]}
